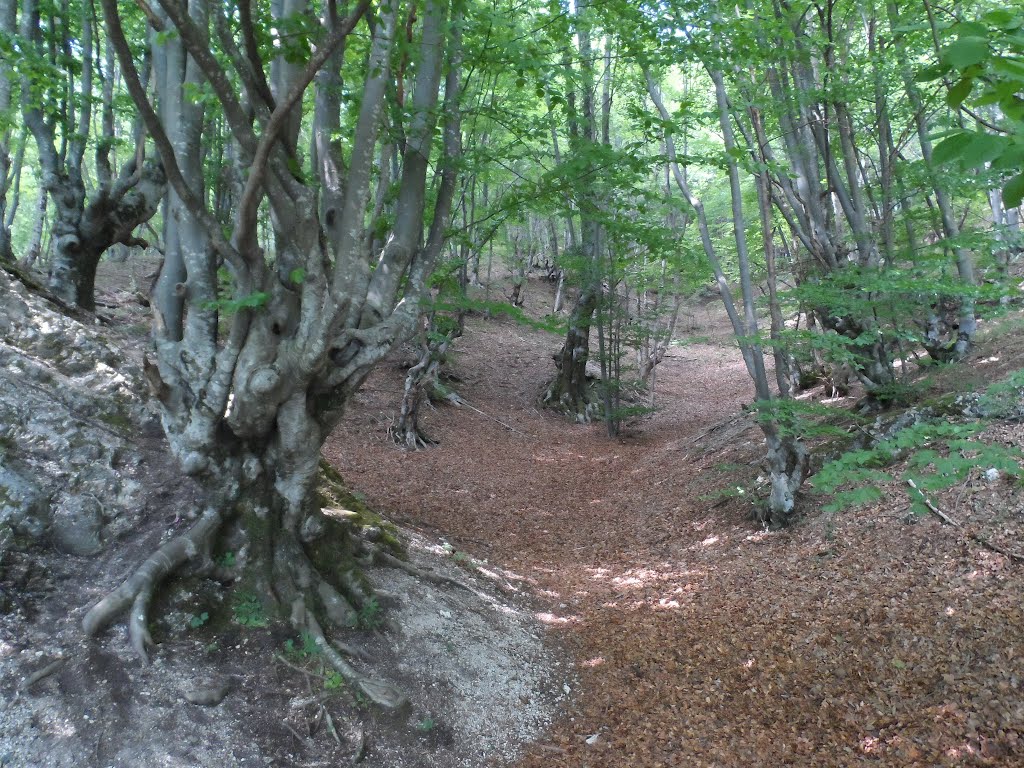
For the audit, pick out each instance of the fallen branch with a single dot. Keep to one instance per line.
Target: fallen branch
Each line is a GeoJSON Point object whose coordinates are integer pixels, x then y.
{"type": "Point", "coordinates": [1017, 558]}
{"type": "Point", "coordinates": [931, 507]}
{"type": "Point", "coordinates": [458, 400]}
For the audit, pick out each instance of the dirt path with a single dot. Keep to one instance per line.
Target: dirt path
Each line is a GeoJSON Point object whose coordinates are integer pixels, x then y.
{"type": "Point", "coordinates": [698, 639]}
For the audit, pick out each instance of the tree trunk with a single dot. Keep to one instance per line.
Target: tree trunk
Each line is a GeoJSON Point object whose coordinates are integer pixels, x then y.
{"type": "Point", "coordinates": [83, 231]}
{"type": "Point", "coordinates": [421, 377]}
{"type": "Point", "coordinates": [570, 391]}
{"type": "Point", "coordinates": [35, 243]}
{"type": "Point", "coordinates": [8, 28]}
{"type": "Point", "coordinates": [251, 380]}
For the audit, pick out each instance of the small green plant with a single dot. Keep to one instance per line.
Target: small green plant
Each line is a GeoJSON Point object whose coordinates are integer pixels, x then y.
{"type": "Point", "coordinates": [248, 610]}
{"type": "Point", "coordinates": [196, 621]}
{"type": "Point", "coordinates": [231, 306]}
{"type": "Point", "coordinates": [426, 725]}
{"type": "Point", "coordinates": [463, 559]}
{"type": "Point", "coordinates": [370, 614]}
{"type": "Point", "coordinates": [307, 650]}
{"type": "Point", "coordinates": [226, 560]}
{"type": "Point", "coordinates": [333, 681]}
{"type": "Point", "coordinates": [1004, 399]}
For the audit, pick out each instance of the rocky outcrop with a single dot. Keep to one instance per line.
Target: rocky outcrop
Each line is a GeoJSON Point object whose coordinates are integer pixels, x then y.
{"type": "Point", "coordinates": [69, 401]}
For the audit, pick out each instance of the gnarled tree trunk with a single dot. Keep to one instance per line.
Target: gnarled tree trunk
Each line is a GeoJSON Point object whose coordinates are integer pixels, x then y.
{"type": "Point", "coordinates": [248, 410]}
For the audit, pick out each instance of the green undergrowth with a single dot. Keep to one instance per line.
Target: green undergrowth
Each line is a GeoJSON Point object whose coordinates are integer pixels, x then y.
{"type": "Point", "coordinates": [938, 450]}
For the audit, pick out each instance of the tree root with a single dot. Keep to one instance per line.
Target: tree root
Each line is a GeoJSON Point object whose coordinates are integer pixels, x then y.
{"type": "Point", "coordinates": [298, 581]}
{"type": "Point", "coordinates": [40, 674]}
{"type": "Point", "coordinates": [380, 693]}
{"type": "Point", "coordinates": [380, 556]}
{"type": "Point", "coordinates": [411, 439]}
{"type": "Point", "coordinates": [137, 589]}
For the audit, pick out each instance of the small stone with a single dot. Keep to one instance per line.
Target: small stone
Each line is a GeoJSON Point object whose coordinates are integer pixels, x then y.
{"type": "Point", "coordinates": [208, 695]}
{"type": "Point", "coordinates": [992, 474]}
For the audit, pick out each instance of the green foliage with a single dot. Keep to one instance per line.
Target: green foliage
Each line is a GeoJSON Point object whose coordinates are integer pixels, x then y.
{"type": "Point", "coordinates": [196, 621]}
{"type": "Point", "coordinates": [247, 610]}
{"type": "Point", "coordinates": [938, 455]}
{"type": "Point", "coordinates": [425, 725]}
{"type": "Point", "coordinates": [307, 650]}
{"type": "Point", "coordinates": [333, 680]}
{"type": "Point", "coordinates": [986, 59]}
{"type": "Point", "coordinates": [226, 560]}
{"type": "Point", "coordinates": [231, 306]}
{"type": "Point", "coordinates": [369, 616]}
{"type": "Point", "coordinates": [1004, 399]}
{"type": "Point", "coordinates": [803, 419]}
{"type": "Point", "coordinates": [493, 309]}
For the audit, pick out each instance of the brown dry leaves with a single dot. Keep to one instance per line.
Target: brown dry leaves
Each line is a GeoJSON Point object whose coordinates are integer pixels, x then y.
{"type": "Point", "coordinates": [859, 639]}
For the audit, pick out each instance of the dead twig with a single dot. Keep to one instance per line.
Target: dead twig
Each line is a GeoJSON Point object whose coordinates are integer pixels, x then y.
{"type": "Point", "coordinates": [1015, 557]}
{"type": "Point", "coordinates": [39, 674]}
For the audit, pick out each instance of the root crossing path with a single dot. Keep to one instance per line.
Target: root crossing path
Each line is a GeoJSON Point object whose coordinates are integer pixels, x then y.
{"type": "Point", "coordinates": [698, 639]}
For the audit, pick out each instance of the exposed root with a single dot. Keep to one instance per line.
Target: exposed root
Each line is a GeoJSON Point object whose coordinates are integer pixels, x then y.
{"type": "Point", "coordinates": [410, 439]}
{"type": "Point", "coordinates": [137, 589]}
{"type": "Point", "coordinates": [391, 561]}
{"type": "Point", "coordinates": [43, 673]}
{"type": "Point", "coordinates": [380, 693]}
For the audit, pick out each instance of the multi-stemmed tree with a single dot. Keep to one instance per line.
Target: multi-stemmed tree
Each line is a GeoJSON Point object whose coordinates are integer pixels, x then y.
{"type": "Point", "coordinates": [60, 66]}
{"type": "Point", "coordinates": [257, 353]}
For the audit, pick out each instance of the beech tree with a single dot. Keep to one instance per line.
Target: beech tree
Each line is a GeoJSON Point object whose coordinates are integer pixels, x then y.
{"type": "Point", "coordinates": [256, 354]}
{"type": "Point", "coordinates": [58, 111]}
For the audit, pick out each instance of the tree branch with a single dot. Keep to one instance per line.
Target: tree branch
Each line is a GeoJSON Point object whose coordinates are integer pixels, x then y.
{"type": "Point", "coordinates": [131, 79]}
{"type": "Point", "coordinates": [248, 206]}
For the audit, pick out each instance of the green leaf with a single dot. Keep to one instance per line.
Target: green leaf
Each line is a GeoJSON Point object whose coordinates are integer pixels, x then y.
{"type": "Point", "coordinates": [297, 275]}
{"type": "Point", "coordinates": [1013, 192]}
{"type": "Point", "coordinates": [928, 74]}
{"type": "Point", "coordinates": [1008, 67]}
{"type": "Point", "coordinates": [951, 148]}
{"type": "Point", "coordinates": [965, 29]}
{"type": "Point", "coordinates": [966, 52]}
{"type": "Point", "coordinates": [959, 92]}
{"type": "Point", "coordinates": [1003, 19]}
{"type": "Point", "coordinates": [984, 148]}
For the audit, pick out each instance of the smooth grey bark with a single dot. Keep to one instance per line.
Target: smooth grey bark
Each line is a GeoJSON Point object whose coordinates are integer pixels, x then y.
{"type": "Point", "coordinates": [35, 241]}
{"type": "Point", "coordinates": [8, 173]}
{"type": "Point", "coordinates": [247, 410]}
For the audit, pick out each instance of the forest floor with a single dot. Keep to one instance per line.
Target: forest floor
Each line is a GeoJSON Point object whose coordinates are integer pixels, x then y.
{"type": "Point", "coordinates": [873, 636]}
{"type": "Point", "coordinates": [678, 631]}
